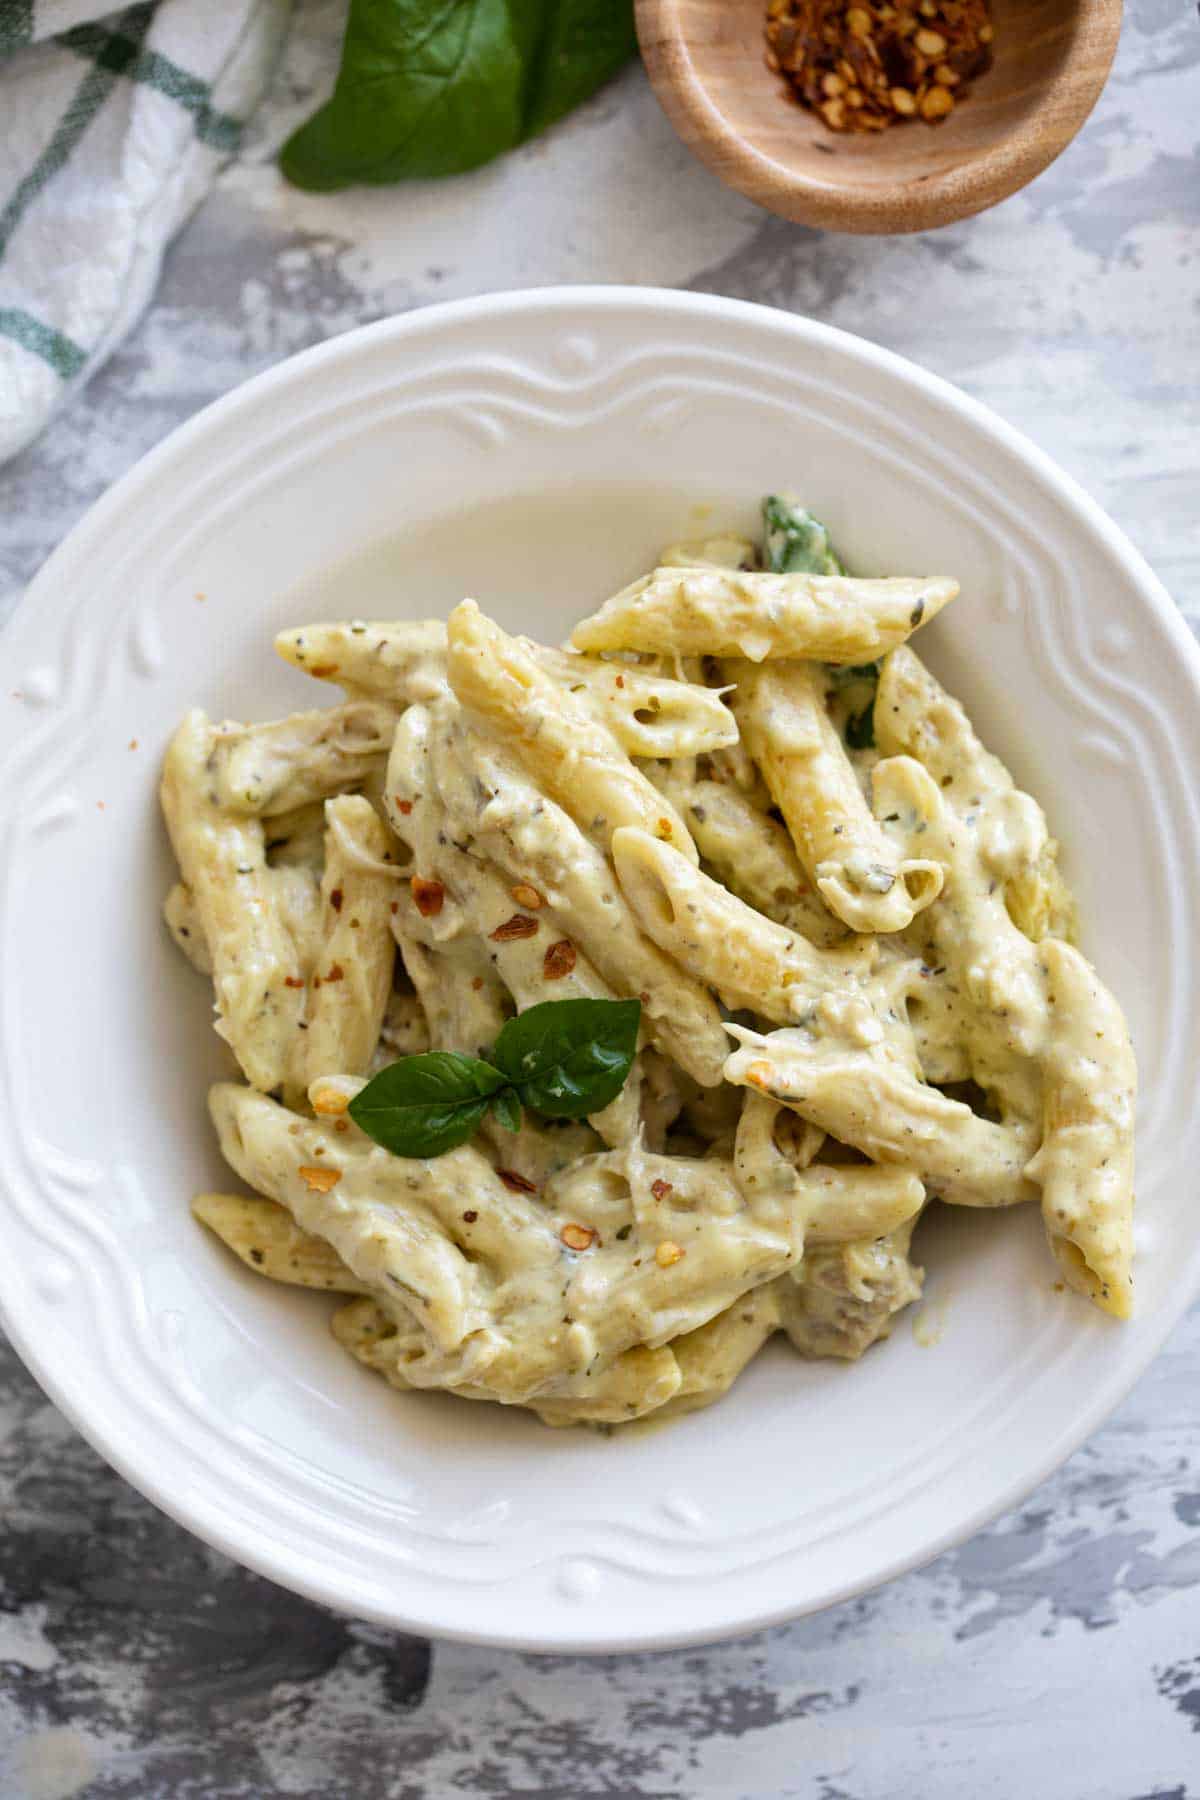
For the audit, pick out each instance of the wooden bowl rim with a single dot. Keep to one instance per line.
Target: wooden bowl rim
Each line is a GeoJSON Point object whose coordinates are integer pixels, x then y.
{"type": "Point", "coordinates": [980, 180]}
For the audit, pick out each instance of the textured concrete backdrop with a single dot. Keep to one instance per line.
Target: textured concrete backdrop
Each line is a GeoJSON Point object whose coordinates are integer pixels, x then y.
{"type": "Point", "coordinates": [1055, 1657]}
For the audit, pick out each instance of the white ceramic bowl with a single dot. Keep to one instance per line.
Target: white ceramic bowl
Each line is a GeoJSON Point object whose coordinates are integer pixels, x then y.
{"type": "Point", "coordinates": [534, 450]}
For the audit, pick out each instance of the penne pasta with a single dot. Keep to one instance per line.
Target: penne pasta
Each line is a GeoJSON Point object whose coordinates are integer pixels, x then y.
{"type": "Point", "coordinates": [916, 717]}
{"type": "Point", "coordinates": [183, 922]}
{"type": "Point", "coordinates": [259, 972]}
{"type": "Point", "coordinates": [824, 1202]}
{"type": "Point", "coordinates": [717, 612]}
{"type": "Point", "coordinates": [721, 941]}
{"type": "Point", "coordinates": [862, 1097]}
{"type": "Point", "coordinates": [855, 868]}
{"type": "Point", "coordinates": [558, 737]}
{"type": "Point", "coordinates": [349, 988]}
{"type": "Point", "coordinates": [399, 662]}
{"type": "Point", "coordinates": [710, 1359]}
{"type": "Point", "coordinates": [290, 763]}
{"type": "Point", "coordinates": [388, 1237]}
{"type": "Point", "coordinates": [1085, 1164]}
{"type": "Point", "coordinates": [268, 1240]}
{"type": "Point", "coordinates": [747, 851]}
{"type": "Point", "coordinates": [648, 714]}
{"type": "Point", "coordinates": [491, 798]}
{"type": "Point", "coordinates": [638, 1382]}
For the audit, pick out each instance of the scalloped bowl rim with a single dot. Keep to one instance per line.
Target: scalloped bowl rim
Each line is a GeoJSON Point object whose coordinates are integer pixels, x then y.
{"type": "Point", "coordinates": [568, 308]}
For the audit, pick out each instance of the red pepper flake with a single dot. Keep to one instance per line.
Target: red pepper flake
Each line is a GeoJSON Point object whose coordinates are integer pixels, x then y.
{"type": "Point", "coordinates": [319, 1180]}
{"type": "Point", "coordinates": [516, 1184]}
{"type": "Point", "coordinates": [335, 899]}
{"type": "Point", "coordinates": [519, 926]}
{"type": "Point", "coordinates": [579, 1237]}
{"type": "Point", "coordinates": [133, 743]}
{"type": "Point", "coordinates": [336, 972]}
{"type": "Point", "coordinates": [477, 983]}
{"type": "Point", "coordinates": [323, 671]}
{"type": "Point", "coordinates": [292, 981]}
{"type": "Point", "coordinates": [430, 896]}
{"type": "Point", "coordinates": [527, 896]}
{"type": "Point", "coordinates": [559, 960]}
{"type": "Point", "coordinates": [660, 1189]}
{"type": "Point", "coordinates": [341, 1124]}
{"type": "Point", "coordinates": [620, 681]}
{"type": "Point", "coordinates": [664, 827]}
{"type": "Point", "coordinates": [395, 906]}
{"type": "Point", "coordinates": [470, 1217]}
{"type": "Point", "coordinates": [404, 806]}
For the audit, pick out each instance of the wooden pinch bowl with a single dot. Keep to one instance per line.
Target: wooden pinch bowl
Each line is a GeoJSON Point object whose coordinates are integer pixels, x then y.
{"type": "Point", "coordinates": [706, 61]}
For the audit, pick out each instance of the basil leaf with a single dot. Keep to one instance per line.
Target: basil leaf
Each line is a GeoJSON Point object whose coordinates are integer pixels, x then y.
{"type": "Point", "coordinates": [507, 1109]}
{"type": "Point", "coordinates": [435, 87]}
{"type": "Point", "coordinates": [568, 1058]}
{"type": "Point", "coordinates": [583, 43]}
{"type": "Point", "coordinates": [424, 1105]}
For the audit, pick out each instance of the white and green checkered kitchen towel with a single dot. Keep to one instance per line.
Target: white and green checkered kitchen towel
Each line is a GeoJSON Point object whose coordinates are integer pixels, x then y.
{"type": "Point", "coordinates": [111, 129]}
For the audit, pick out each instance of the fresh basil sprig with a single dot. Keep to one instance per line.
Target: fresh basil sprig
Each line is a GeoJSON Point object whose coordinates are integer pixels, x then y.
{"type": "Point", "coordinates": [434, 89]}
{"type": "Point", "coordinates": [563, 1059]}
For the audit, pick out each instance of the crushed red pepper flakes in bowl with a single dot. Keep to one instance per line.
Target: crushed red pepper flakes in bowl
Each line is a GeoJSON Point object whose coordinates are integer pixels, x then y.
{"type": "Point", "coordinates": [863, 65]}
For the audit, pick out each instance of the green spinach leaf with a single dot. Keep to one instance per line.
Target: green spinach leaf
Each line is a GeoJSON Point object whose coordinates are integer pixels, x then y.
{"type": "Point", "coordinates": [796, 543]}
{"type": "Point", "coordinates": [436, 87]}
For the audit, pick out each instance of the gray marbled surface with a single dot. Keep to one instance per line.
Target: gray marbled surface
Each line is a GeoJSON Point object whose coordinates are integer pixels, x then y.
{"type": "Point", "coordinates": [1056, 1656]}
